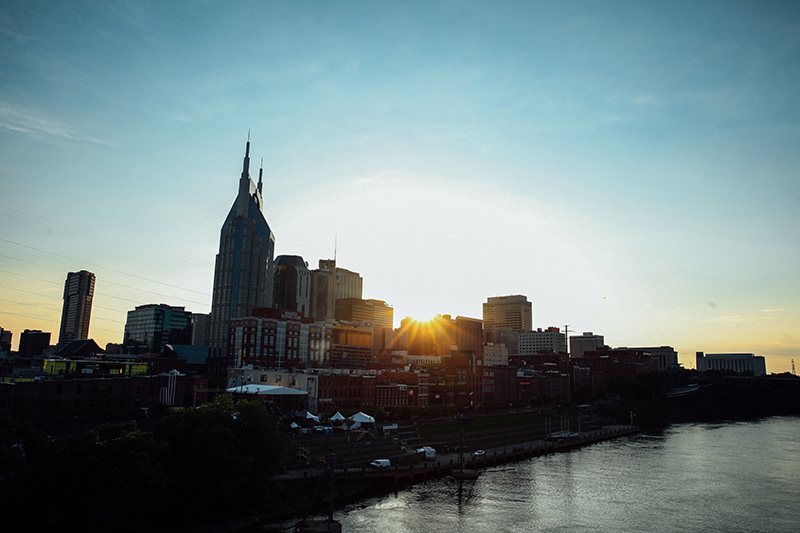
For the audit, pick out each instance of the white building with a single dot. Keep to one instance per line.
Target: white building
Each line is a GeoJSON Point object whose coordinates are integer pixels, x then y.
{"type": "Point", "coordinates": [737, 362]}
{"type": "Point", "coordinates": [495, 354]}
{"type": "Point", "coordinates": [548, 340]}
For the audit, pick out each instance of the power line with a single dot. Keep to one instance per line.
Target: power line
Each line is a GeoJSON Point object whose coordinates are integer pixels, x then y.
{"type": "Point", "coordinates": [51, 320]}
{"type": "Point", "coordinates": [94, 235]}
{"type": "Point", "coordinates": [103, 281]}
{"type": "Point", "coordinates": [56, 310]}
{"type": "Point", "coordinates": [50, 296]}
{"type": "Point", "coordinates": [101, 266]}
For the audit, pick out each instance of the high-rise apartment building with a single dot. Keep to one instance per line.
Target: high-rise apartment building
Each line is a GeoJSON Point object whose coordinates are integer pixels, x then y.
{"type": "Point", "coordinates": [514, 312]}
{"type": "Point", "coordinates": [153, 325]}
{"type": "Point", "coordinates": [292, 284]}
{"type": "Point", "coordinates": [77, 310]}
{"type": "Point", "coordinates": [243, 273]}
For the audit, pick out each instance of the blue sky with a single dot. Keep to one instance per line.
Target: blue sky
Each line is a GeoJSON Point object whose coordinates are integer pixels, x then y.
{"type": "Point", "coordinates": [631, 167]}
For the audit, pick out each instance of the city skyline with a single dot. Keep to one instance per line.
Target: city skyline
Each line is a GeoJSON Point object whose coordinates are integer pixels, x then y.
{"type": "Point", "coordinates": [630, 168]}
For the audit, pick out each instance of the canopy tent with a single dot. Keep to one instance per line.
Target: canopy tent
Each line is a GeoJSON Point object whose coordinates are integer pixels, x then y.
{"type": "Point", "coordinates": [268, 390]}
{"type": "Point", "coordinates": [362, 419]}
{"type": "Point", "coordinates": [283, 398]}
{"type": "Point", "coordinates": [337, 416]}
{"type": "Point", "coordinates": [315, 418]}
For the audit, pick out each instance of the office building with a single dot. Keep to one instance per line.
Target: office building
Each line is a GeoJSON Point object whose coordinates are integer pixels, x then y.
{"type": "Point", "coordinates": [348, 284]}
{"type": "Point", "coordinates": [580, 344]}
{"type": "Point", "coordinates": [33, 342]}
{"type": "Point", "coordinates": [514, 312]}
{"type": "Point", "coordinates": [77, 310]}
{"type": "Point", "coordinates": [151, 326]}
{"type": "Point", "coordinates": [201, 326]}
{"type": "Point", "coordinates": [292, 284]}
{"type": "Point", "coordinates": [375, 312]}
{"type": "Point", "coordinates": [243, 273]}
{"type": "Point", "coordinates": [5, 340]}
{"type": "Point", "coordinates": [322, 290]}
{"type": "Point", "coordinates": [550, 340]}
{"type": "Point", "coordinates": [735, 362]}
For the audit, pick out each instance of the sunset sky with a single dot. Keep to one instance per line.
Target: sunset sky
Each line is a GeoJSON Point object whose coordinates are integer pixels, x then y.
{"type": "Point", "coordinates": [633, 168]}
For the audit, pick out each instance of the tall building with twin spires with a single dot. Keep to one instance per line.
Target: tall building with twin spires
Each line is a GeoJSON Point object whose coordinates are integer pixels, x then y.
{"type": "Point", "coordinates": [243, 272]}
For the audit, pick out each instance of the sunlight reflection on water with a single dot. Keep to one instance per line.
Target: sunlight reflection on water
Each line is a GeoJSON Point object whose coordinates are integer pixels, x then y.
{"type": "Point", "coordinates": [688, 478]}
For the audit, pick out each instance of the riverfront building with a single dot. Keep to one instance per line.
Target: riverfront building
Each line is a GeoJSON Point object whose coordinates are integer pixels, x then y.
{"type": "Point", "coordinates": [243, 272]}
{"type": "Point", "coordinates": [77, 310]}
{"type": "Point", "coordinates": [736, 362]}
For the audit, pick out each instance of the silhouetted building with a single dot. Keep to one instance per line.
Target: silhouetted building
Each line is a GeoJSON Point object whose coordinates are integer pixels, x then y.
{"type": "Point", "coordinates": [243, 273]}
{"type": "Point", "coordinates": [580, 344]}
{"type": "Point", "coordinates": [77, 310]}
{"type": "Point", "coordinates": [33, 342]}
{"type": "Point", "coordinates": [151, 326]}
{"type": "Point", "coordinates": [5, 340]}
{"type": "Point", "coordinates": [323, 282]}
{"type": "Point", "coordinates": [292, 284]}
{"type": "Point", "coordinates": [201, 326]}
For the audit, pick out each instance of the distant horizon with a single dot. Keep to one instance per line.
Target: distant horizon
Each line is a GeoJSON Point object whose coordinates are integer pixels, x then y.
{"type": "Point", "coordinates": [631, 167]}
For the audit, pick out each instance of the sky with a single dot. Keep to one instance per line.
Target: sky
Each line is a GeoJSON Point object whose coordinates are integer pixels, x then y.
{"type": "Point", "coordinates": [631, 167]}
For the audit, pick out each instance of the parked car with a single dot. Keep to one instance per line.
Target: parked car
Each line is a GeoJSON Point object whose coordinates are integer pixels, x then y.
{"type": "Point", "coordinates": [478, 454]}
{"type": "Point", "coordinates": [380, 463]}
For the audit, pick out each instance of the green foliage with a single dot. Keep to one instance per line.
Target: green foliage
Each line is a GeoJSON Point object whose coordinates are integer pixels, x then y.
{"type": "Point", "coordinates": [221, 457]}
{"type": "Point", "coordinates": [197, 465]}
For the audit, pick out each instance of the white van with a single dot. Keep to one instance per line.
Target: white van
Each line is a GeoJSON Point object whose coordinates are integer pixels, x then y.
{"type": "Point", "coordinates": [427, 453]}
{"type": "Point", "coordinates": [380, 463]}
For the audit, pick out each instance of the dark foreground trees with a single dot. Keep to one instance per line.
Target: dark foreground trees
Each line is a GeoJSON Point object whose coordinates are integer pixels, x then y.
{"type": "Point", "coordinates": [196, 466]}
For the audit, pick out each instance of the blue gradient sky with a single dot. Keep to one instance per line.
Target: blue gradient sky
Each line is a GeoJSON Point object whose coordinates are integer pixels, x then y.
{"type": "Point", "coordinates": [631, 167]}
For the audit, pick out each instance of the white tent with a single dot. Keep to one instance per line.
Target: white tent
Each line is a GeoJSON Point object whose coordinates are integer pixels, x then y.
{"type": "Point", "coordinates": [267, 390]}
{"type": "Point", "coordinates": [337, 416]}
{"type": "Point", "coordinates": [362, 418]}
{"type": "Point", "coordinates": [315, 418]}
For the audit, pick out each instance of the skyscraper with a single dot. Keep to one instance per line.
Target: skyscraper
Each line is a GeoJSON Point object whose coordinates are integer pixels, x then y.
{"type": "Point", "coordinates": [77, 310]}
{"type": "Point", "coordinates": [243, 273]}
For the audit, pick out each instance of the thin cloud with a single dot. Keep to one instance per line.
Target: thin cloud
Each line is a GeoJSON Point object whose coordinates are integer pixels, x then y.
{"type": "Point", "coordinates": [771, 310]}
{"type": "Point", "coordinates": [36, 125]}
{"type": "Point", "coordinates": [738, 318]}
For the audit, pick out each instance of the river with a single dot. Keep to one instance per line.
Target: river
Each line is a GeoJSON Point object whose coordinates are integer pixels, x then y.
{"type": "Point", "coordinates": [731, 477]}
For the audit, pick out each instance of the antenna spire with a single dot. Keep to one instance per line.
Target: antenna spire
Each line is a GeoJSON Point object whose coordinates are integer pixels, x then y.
{"type": "Point", "coordinates": [260, 175]}
{"type": "Point", "coordinates": [246, 165]}
{"type": "Point", "coordinates": [335, 245]}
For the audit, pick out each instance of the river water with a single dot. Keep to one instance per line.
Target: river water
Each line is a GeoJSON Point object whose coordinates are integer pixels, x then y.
{"type": "Point", "coordinates": [732, 477]}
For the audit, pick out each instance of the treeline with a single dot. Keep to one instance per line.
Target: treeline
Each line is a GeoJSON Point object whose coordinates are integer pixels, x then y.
{"type": "Point", "coordinates": [718, 396]}
{"type": "Point", "coordinates": [196, 466]}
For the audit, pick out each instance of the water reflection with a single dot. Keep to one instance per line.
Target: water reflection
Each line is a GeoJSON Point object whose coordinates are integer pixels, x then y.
{"type": "Point", "coordinates": [689, 478]}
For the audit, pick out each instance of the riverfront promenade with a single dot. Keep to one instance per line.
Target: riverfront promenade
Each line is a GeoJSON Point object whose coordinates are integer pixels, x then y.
{"type": "Point", "coordinates": [445, 463]}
